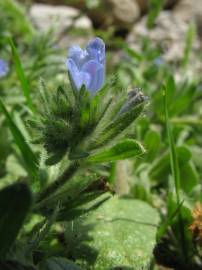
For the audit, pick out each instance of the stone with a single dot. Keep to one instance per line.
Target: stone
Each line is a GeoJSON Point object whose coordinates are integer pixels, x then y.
{"type": "Point", "coordinates": [60, 17]}
{"type": "Point", "coordinates": [188, 10]}
{"type": "Point", "coordinates": [106, 13]}
{"type": "Point", "coordinates": [144, 4]}
{"type": "Point", "coordinates": [123, 11]}
{"type": "Point", "coordinates": [169, 32]}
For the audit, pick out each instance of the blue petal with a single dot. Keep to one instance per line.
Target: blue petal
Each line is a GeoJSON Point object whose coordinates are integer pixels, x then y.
{"type": "Point", "coordinates": [96, 50]}
{"type": "Point", "coordinates": [78, 55]}
{"type": "Point", "coordinates": [4, 69]}
{"type": "Point", "coordinates": [78, 78]}
{"type": "Point", "coordinates": [96, 74]}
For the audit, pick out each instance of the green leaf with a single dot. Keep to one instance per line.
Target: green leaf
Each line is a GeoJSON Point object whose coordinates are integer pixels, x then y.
{"type": "Point", "coordinates": [15, 202]}
{"type": "Point", "coordinates": [28, 155]}
{"type": "Point", "coordinates": [59, 263]}
{"type": "Point", "coordinates": [132, 53]}
{"type": "Point", "coordinates": [14, 265]}
{"type": "Point", "coordinates": [55, 158]}
{"type": "Point", "coordinates": [20, 73]}
{"type": "Point", "coordinates": [125, 149]}
{"type": "Point", "coordinates": [190, 37]}
{"type": "Point", "coordinates": [120, 234]}
{"type": "Point", "coordinates": [190, 177]}
{"type": "Point", "coordinates": [15, 20]}
{"type": "Point", "coordinates": [120, 123]}
{"type": "Point", "coordinates": [161, 167]}
{"type": "Point", "coordinates": [152, 143]}
{"type": "Point", "coordinates": [175, 169]}
{"type": "Point", "coordinates": [155, 8]}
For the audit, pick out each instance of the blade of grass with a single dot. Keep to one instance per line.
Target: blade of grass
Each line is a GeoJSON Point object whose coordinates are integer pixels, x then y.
{"type": "Point", "coordinates": [29, 158]}
{"type": "Point", "coordinates": [190, 37]}
{"type": "Point", "coordinates": [20, 73]}
{"type": "Point", "coordinates": [176, 175]}
{"type": "Point", "coordinates": [169, 221]}
{"type": "Point", "coordinates": [155, 6]}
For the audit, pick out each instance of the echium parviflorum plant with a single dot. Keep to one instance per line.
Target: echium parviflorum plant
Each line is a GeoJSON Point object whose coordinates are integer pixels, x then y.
{"type": "Point", "coordinates": [85, 120]}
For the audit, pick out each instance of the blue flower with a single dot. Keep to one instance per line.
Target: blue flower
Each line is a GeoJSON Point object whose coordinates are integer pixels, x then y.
{"type": "Point", "coordinates": [87, 67]}
{"type": "Point", "coordinates": [4, 69]}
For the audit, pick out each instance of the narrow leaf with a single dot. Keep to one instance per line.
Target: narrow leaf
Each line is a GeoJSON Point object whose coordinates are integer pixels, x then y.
{"type": "Point", "coordinates": [122, 150]}
{"type": "Point", "coordinates": [20, 73]}
{"type": "Point", "coordinates": [28, 155]}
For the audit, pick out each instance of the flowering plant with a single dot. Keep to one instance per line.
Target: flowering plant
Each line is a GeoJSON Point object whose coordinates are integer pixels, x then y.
{"type": "Point", "coordinates": [82, 121]}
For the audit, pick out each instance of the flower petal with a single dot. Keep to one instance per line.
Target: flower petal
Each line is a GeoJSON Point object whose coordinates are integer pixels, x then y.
{"type": "Point", "coordinates": [78, 55]}
{"type": "Point", "coordinates": [96, 73]}
{"type": "Point", "coordinates": [78, 78]}
{"type": "Point", "coordinates": [4, 69]}
{"type": "Point", "coordinates": [96, 50]}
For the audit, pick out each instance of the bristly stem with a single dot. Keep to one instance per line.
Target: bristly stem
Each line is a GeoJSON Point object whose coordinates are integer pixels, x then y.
{"type": "Point", "coordinates": [60, 181]}
{"type": "Point", "coordinates": [176, 175]}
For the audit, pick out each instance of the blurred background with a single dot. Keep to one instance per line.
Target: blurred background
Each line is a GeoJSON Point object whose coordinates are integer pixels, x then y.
{"type": "Point", "coordinates": [164, 21]}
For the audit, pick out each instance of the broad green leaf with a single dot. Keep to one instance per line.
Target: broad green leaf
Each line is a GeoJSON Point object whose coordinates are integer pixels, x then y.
{"type": "Point", "coordinates": [120, 234]}
{"type": "Point", "coordinates": [14, 265]}
{"type": "Point", "coordinates": [125, 149]}
{"type": "Point", "coordinates": [28, 155]}
{"type": "Point", "coordinates": [15, 202]}
{"type": "Point", "coordinates": [59, 263]}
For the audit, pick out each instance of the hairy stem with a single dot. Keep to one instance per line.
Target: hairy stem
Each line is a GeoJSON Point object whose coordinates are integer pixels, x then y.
{"type": "Point", "coordinates": [59, 182]}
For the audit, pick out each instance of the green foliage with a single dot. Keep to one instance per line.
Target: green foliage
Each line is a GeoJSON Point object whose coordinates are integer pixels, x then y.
{"type": "Point", "coordinates": [190, 37]}
{"type": "Point", "coordinates": [72, 118]}
{"type": "Point", "coordinates": [119, 234]}
{"type": "Point", "coordinates": [57, 263]}
{"type": "Point", "coordinates": [13, 20]}
{"type": "Point", "coordinates": [20, 73]}
{"type": "Point", "coordinates": [14, 265]}
{"type": "Point", "coordinates": [15, 203]}
{"type": "Point", "coordinates": [30, 159]}
{"type": "Point", "coordinates": [122, 150]}
{"type": "Point", "coordinates": [155, 8]}
{"type": "Point", "coordinates": [175, 172]}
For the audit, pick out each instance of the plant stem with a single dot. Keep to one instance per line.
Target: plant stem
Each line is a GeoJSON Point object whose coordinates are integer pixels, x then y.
{"type": "Point", "coordinates": [176, 175]}
{"type": "Point", "coordinates": [60, 181]}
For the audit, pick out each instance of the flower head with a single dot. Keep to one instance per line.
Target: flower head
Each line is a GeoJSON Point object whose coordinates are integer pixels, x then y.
{"type": "Point", "coordinates": [3, 68]}
{"type": "Point", "coordinates": [87, 67]}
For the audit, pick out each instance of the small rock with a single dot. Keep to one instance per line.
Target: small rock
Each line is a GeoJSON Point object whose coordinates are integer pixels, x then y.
{"type": "Point", "coordinates": [60, 17]}
{"type": "Point", "coordinates": [144, 4]}
{"type": "Point", "coordinates": [169, 32]}
{"type": "Point", "coordinates": [188, 10]}
{"type": "Point", "coordinates": [123, 11]}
